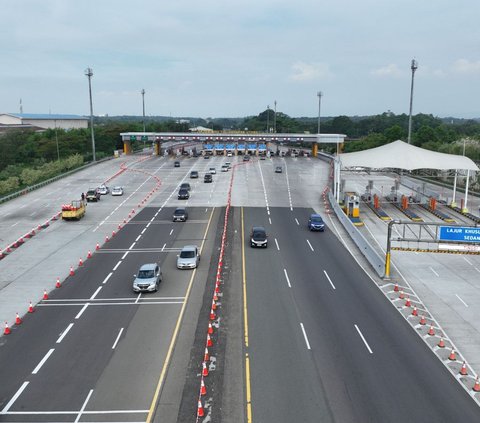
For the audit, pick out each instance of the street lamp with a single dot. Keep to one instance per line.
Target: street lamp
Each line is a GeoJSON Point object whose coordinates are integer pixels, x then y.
{"type": "Point", "coordinates": [143, 103]}
{"type": "Point", "coordinates": [89, 74]}
{"type": "Point", "coordinates": [268, 118]}
{"type": "Point", "coordinates": [413, 67]}
{"type": "Point", "coordinates": [319, 94]}
{"type": "Point", "coordinates": [275, 118]}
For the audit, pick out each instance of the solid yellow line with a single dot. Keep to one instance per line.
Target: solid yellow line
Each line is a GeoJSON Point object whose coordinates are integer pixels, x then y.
{"type": "Point", "coordinates": [245, 320]}
{"type": "Point", "coordinates": [175, 333]}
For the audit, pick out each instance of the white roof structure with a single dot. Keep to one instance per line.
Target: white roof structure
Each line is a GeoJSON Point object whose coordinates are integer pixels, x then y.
{"type": "Point", "coordinates": [400, 155]}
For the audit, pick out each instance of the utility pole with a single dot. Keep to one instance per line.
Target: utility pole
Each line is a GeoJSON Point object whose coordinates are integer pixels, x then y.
{"type": "Point", "coordinates": [275, 118]}
{"type": "Point", "coordinates": [268, 118]}
{"type": "Point", "coordinates": [413, 67]}
{"type": "Point", "coordinates": [89, 74]}
{"type": "Point", "coordinates": [319, 94]}
{"type": "Point", "coordinates": [143, 102]}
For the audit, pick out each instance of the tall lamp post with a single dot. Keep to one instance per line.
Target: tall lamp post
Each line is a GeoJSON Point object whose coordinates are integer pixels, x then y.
{"type": "Point", "coordinates": [413, 67]}
{"type": "Point", "coordinates": [319, 94]}
{"type": "Point", "coordinates": [275, 118]}
{"type": "Point", "coordinates": [89, 74]}
{"type": "Point", "coordinates": [143, 103]}
{"type": "Point", "coordinates": [268, 118]}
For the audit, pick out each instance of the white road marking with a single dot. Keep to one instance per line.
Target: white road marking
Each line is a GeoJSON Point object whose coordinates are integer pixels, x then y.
{"type": "Point", "coordinates": [431, 268]}
{"type": "Point", "coordinates": [464, 303]}
{"type": "Point", "coordinates": [171, 232]}
{"type": "Point", "coordinates": [42, 361]}
{"type": "Point", "coordinates": [286, 277]}
{"type": "Point", "coordinates": [15, 224]}
{"type": "Point", "coordinates": [164, 245]}
{"type": "Point", "coordinates": [139, 295]}
{"type": "Point", "coordinates": [276, 242]}
{"type": "Point", "coordinates": [60, 339]}
{"type": "Point", "coordinates": [364, 340]}
{"type": "Point", "coordinates": [477, 269]}
{"type": "Point", "coordinates": [14, 398]}
{"type": "Point", "coordinates": [133, 245]}
{"type": "Point", "coordinates": [468, 261]}
{"type": "Point", "coordinates": [107, 278]}
{"type": "Point", "coordinates": [84, 406]}
{"type": "Point", "coordinates": [329, 280]}
{"type": "Point", "coordinates": [310, 245]}
{"type": "Point", "coordinates": [96, 292]}
{"type": "Point", "coordinates": [270, 220]}
{"type": "Point", "coordinates": [148, 224]}
{"type": "Point", "coordinates": [144, 229]}
{"type": "Point", "coordinates": [138, 237]}
{"type": "Point", "coordinates": [125, 255]}
{"type": "Point", "coordinates": [116, 266]}
{"type": "Point", "coordinates": [305, 336]}
{"type": "Point", "coordinates": [298, 223]}
{"type": "Point", "coordinates": [81, 311]}
{"type": "Point", "coordinates": [91, 412]}
{"type": "Point", "coordinates": [116, 340]}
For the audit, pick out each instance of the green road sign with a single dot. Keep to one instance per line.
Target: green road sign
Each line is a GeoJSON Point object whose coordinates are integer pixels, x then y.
{"type": "Point", "coordinates": [144, 138]}
{"type": "Point", "coordinates": [133, 138]}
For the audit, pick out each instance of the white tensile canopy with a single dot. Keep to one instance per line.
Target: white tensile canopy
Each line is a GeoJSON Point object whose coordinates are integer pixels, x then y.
{"type": "Point", "coordinates": [400, 155]}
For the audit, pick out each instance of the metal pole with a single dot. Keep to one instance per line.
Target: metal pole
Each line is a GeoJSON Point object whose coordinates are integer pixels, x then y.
{"type": "Point", "coordinates": [143, 102]}
{"type": "Point", "coordinates": [89, 74]}
{"type": "Point", "coordinates": [319, 94]}
{"type": "Point", "coordinates": [275, 118]}
{"type": "Point", "coordinates": [268, 118]}
{"type": "Point", "coordinates": [413, 67]}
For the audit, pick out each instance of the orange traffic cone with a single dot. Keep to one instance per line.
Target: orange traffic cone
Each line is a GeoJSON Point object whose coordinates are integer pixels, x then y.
{"type": "Point", "coordinates": [463, 370]}
{"type": "Point", "coordinates": [203, 389]}
{"type": "Point", "coordinates": [414, 311]}
{"type": "Point", "coordinates": [106, 238]}
{"type": "Point", "coordinates": [204, 369]}
{"type": "Point", "coordinates": [58, 284]}
{"type": "Point", "coordinates": [113, 234]}
{"type": "Point", "coordinates": [18, 320]}
{"type": "Point", "coordinates": [441, 344]}
{"type": "Point", "coordinates": [395, 288]}
{"type": "Point", "coordinates": [97, 247]}
{"type": "Point", "coordinates": [209, 341]}
{"type": "Point", "coordinates": [214, 305]}
{"type": "Point", "coordinates": [423, 320]}
{"type": "Point", "coordinates": [212, 315]}
{"type": "Point", "coordinates": [210, 328]}
{"type": "Point", "coordinates": [89, 254]}
{"type": "Point", "coordinates": [119, 226]}
{"type": "Point", "coordinates": [431, 331]}
{"type": "Point", "coordinates": [30, 308]}
{"type": "Point", "coordinates": [72, 272]}
{"type": "Point", "coordinates": [401, 295]}
{"type": "Point", "coordinates": [45, 295]}
{"type": "Point", "coordinates": [476, 387]}
{"type": "Point", "coordinates": [408, 303]}
{"type": "Point", "coordinates": [133, 211]}
{"type": "Point", "coordinates": [200, 412]}
{"type": "Point", "coordinates": [452, 355]}
{"type": "Point", "coordinates": [206, 356]}
{"type": "Point", "coordinates": [7, 330]}
{"type": "Point", "coordinates": [80, 262]}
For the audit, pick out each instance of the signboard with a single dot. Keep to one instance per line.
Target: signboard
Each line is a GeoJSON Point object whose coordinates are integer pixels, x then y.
{"type": "Point", "coordinates": [230, 146]}
{"type": "Point", "coordinates": [144, 138]}
{"type": "Point", "coordinates": [208, 147]}
{"type": "Point", "coordinates": [262, 147]}
{"type": "Point", "coordinates": [219, 147]}
{"type": "Point", "coordinates": [459, 234]}
{"type": "Point", "coordinates": [252, 146]}
{"type": "Point", "coordinates": [133, 138]}
{"type": "Point", "coordinates": [241, 147]}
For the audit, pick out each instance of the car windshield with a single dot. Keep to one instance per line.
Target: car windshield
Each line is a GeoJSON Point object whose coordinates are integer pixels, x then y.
{"type": "Point", "coordinates": [146, 274]}
{"type": "Point", "coordinates": [187, 254]}
{"type": "Point", "coordinates": [316, 219]}
{"type": "Point", "coordinates": [258, 235]}
{"type": "Point", "coordinates": [179, 211]}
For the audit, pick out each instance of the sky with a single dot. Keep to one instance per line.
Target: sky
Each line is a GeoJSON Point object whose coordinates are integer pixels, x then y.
{"type": "Point", "coordinates": [233, 58]}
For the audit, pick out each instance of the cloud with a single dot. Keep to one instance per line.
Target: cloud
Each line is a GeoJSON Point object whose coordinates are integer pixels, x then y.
{"type": "Point", "coordinates": [387, 71]}
{"type": "Point", "coordinates": [308, 72]}
{"type": "Point", "coordinates": [466, 66]}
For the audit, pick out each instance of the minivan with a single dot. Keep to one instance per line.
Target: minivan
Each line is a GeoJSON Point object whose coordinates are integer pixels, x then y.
{"type": "Point", "coordinates": [148, 278]}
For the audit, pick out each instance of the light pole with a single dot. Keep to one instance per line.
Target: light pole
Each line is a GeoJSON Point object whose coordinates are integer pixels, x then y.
{"type": "Point", "coordinates": [275, 118]}
{"type": "Point", "coordinates": [89, 74]}
{"type": "Point", "coordinates": [56, 140]}
{"type": "Point", "coordinates": [413, 67]}
{"type": "Point", "coordinates": [268, 118]}
{"type": "Point", "coordinates": [143, 103]}
{"type": "Point", "coordinates": [319, 94]}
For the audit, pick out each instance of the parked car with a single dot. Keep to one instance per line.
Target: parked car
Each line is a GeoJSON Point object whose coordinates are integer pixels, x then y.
{"type": "Point", "coordinates": [185, 185]}
{"type": "Point", "coordinates": [180, 214]}
{"type": "Point", "coordinates": [103, 189]}
{"type": "Point", "coordinates": [188, 258]}
{"type": "Point", "coordinates": [193, 174]}
{"type": "Point", "coordinates": [258, 237]}
{"type": "Point", "coordinates": [208, 178]}
{"type": "Point", "coordinates": [229, 154]}
{"type": "Point", "coordinates": [117, 191]}
{"type": "Point", "coordinates": [148, 278]}
{"type": "Point", "coordinates": [183, 194]}
{"type": "Point", "coordinates": [93, 195]}
{"type": "Point", "coordinates": [278, 169]}
{"type": "Point", "coordinates": [316, 223]}
{"type": "Point", "coordinates": [176, 164]}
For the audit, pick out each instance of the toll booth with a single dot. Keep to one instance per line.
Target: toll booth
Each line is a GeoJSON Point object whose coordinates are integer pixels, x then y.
{"type": "Point", "coordinates": [351, 207]}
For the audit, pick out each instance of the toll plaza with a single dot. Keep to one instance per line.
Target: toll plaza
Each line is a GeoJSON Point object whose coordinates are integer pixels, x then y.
{"type": "Point", "coordinates": [222, 143]}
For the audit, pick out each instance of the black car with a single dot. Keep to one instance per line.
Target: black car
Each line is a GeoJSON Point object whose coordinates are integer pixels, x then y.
{"type": "Point", "coordinates": [93, 195]}
{"type": "Point", "coordinates": [278, 169]}
{"type": "Point", "coordinates": [193, 174]}
{"type": "Point", "coordinates": [185, 185]}
{"type": "Point", "coordinates": [180, 215]}
{"type": "Point", "coordinates": [246, 158]}
{"type": "Point", "coordinates": [207, 178]}
{"type": "Point", "coordinates": [258, 237]}
{"type": "Point", "coordinates": [176, 164]}
{"type": "Point", "coordinates": [183, 194]}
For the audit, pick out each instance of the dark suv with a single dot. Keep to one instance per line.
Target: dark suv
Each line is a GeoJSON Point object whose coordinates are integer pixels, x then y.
{"type": "Point", "coordinates": [180, 215]}
{"type": "Point", "coordinates": [258, 237]}
{"type": "Point", "coordinates": [316, 223]}
{"type": "Point", "coordinates": [183, 194]}
{"type": "Point", "coordinates": [207, 178]}
{"type": "Point", "coordinates": [185, 185]}
{"type": "Point", "coordinates": [93, 195]}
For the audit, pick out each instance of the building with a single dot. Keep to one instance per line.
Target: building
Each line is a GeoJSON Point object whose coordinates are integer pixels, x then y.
{"type": "Point", "coordinates": [45, 121]}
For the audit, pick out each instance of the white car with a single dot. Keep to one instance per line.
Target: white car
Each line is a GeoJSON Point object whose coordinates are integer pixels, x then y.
{"type": "Point", "coordinates": [224, 168]}
{"type": "Point", "coordinates": [117, 191]}
{"type": "Point", "coordinates": [229, 154]}
{"type": "Point", "coordinates": [103, 189]}
{"type": "Point", "coordinates": [212, 171]}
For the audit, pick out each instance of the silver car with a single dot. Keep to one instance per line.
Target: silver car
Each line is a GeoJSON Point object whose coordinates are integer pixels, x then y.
{"type": "Point", "coordinates": [148, 278]}
{"type": "Point", "coordinates": [117, 191]}
{"type": "Point", "coordinates": [188, 258]}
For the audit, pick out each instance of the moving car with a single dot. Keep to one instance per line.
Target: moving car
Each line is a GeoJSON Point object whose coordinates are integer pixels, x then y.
{"type": "Point", "coordinates": [206, 156]}
{"type": "Point", "coordinates": [207, 178]}
{"type": "Point", "coordinates": [183, 194]}
{"type": "Point", "coordinates": [278, 169]}
{"type": "Point", "coordinates": [176, 164]}
{"type": "Point", "coordinates": [103, 189]}
{"type": "Point", "coordinates": [212, 171]}
{"type": "Point", "coordinates": [246, 158]}
{"type": "Point", "coordinates": [188, 258]}
{"type": "Point", "coordinates": [225, 168]}
{"type": "Point", "coordinates": [93, 195]}
{"type": "Point", "coordinates": [229, 154]}
{"type": "Point", "coordinates": [316, 223]}
{"type": "Point", "coordinates": [228, 164]}
{"type": "Point", "coordinates": [180, 214]}
{"type": "Point", "coordinates": [117, 191]}
{"type": "Point", "coordinates": [185, 185]}
{"type": "Point", "coordinates": [193, 174]}
{"type": "Point", "coordinates": [148, 278]}
{"type": "Point", "coordinates": [258, 237]}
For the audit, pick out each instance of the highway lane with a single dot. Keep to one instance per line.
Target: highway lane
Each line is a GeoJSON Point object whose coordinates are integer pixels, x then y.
{"type": "Point", "coordinates": [124, 377]}
{"type": "Point", "coordinates": [327, 373]}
